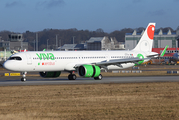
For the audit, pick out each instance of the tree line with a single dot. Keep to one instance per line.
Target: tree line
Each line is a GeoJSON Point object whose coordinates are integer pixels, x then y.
{"type": "Point", "coordinates": [66, 36]}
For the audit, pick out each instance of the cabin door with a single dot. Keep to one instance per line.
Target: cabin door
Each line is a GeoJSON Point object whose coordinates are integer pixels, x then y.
{"type": "Point", "coordinates": [29, 59]}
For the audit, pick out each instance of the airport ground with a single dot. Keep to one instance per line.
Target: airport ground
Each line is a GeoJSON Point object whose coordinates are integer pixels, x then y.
{"type": "Point", "coordinates": [147, 70]}
{"type": "Point", "coordinates": [149, 100]}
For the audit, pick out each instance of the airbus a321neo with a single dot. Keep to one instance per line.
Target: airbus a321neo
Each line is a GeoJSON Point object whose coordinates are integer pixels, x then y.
{"type": "Point", "coordinates": [86, 63]}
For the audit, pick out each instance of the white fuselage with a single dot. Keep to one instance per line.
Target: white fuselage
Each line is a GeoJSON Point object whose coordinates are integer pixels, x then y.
{"type": "Point", "coordinates": [66, 60]}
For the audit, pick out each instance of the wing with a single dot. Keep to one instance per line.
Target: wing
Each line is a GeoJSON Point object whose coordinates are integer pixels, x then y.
{"type": "Point", "coordinates": [120, 61]}
{"type": "Point", "coordinates": [117, 62]}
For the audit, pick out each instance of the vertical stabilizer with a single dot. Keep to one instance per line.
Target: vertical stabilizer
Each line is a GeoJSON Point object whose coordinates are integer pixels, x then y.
{"type": "Point", "coordinates": [146, 41]}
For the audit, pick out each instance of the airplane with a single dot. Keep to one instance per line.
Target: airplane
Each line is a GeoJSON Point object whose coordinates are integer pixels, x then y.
{"type": "Point", "coordinates": [175, 56]}
{"type": "Point", "coordinates": [88, 64]}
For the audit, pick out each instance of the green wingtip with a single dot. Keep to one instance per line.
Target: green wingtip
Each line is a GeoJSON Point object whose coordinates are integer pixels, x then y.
{"type": "Point", "coordinates": [163, 52]}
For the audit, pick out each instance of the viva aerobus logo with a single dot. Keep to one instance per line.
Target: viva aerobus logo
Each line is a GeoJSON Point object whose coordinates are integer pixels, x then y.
{"type": "Point", "coordinates": [140, 56]}
{"type": "Point", "coordinates": [45, 56]}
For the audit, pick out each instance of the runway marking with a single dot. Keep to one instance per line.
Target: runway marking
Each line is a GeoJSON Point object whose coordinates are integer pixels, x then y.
{"type": "Point", "coordinates": [12, 74]}
{"type": "Point", "coordinates": [15, 74]}
{"type": "Point", "coordinates": [6, 74]}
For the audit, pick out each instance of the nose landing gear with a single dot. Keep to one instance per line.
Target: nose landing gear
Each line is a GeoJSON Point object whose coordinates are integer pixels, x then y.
{"type": "Point", "coordinates": [23, 79]}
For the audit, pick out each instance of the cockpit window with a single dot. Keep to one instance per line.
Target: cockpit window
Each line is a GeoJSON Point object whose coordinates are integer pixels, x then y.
{"type": "Point", "coordinates": [15, 58]}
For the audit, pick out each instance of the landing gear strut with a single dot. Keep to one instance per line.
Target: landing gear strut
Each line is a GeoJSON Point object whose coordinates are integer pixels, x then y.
{"type": "Point", "coordinates": [72, 76]}
{"type": "Point", "coordinates": [23, 79]}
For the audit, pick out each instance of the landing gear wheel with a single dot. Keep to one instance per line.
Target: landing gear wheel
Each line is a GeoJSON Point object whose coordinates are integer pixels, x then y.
{"type": "Point", "coordinates": [99, 77]}
{"type": "Point", "coordinates": [72, 77]}
{"type": "Point", "coordinates": [23, 79]}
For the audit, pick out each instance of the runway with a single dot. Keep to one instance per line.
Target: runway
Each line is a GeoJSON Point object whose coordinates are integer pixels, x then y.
{"type": "Point", "coordinates": [15, 81]}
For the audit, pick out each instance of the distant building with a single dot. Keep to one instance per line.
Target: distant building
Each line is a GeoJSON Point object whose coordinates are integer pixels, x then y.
{"type": "Point", "coordinates": [4, 45]}
{"type": "Point", "coordinates": [15, 37]}
{"type": "Point", "coordinates": [18, 45]}
{"type": "Point", "coordinates": [15, 42]}
{"type": "Point", "coordinates": [169, 52]}
{"type": "Point", "coordinates": [95, 43]}
{"type": "Point", "coordinates": [161, 39]}
{"type": "Point", "coordinates": [104, 43]}
{"type": "Point", "coordinates": [70, 47]}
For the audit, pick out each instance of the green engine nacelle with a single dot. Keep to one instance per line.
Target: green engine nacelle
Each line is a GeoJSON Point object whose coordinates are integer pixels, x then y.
{"type": "Point", "coordinates": [89, 71]}
{"type": "Point", "coordinates": [50, 74]}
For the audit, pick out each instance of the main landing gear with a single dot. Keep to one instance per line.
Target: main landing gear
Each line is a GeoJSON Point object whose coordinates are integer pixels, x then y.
{"type": "Point", "coordinates": [23, 79]}
{"type": "Point", "coordinates": [72, 76]}
{"type": "Point", "coordinates": [99, 77]}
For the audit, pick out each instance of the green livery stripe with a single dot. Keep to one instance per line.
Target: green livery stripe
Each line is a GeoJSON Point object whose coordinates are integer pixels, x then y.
{"type": "Point", "coordinates": [97, 71]}
{"type": "Point", "coordinates": [89, 70]}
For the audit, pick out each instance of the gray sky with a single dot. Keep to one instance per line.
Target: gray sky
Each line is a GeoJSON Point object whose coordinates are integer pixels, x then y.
{"type": "Point", "coordinates": [110, 15]}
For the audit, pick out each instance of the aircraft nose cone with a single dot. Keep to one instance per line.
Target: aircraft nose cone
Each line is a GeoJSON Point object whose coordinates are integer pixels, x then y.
{"type": "Point", "coordinates": [7, 65]}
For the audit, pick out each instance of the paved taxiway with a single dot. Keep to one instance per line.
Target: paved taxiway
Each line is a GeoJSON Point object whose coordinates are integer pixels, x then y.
{"type": "Point", "coordinates": [15, 81]}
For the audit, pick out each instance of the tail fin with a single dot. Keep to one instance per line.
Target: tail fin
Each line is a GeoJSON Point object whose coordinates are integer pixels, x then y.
{"type": "Point", "coordinates": [146, 41]}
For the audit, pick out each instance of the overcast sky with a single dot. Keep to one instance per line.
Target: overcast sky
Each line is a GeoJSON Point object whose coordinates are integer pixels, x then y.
{"type": "Point", "coordinates": [110, 15]}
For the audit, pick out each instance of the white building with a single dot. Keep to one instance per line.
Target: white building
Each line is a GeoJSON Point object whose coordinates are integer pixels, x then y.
{"type": "Point", "coordinates": [161, 39]}
{"type": "Point", "coordinates": [104, 43]}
